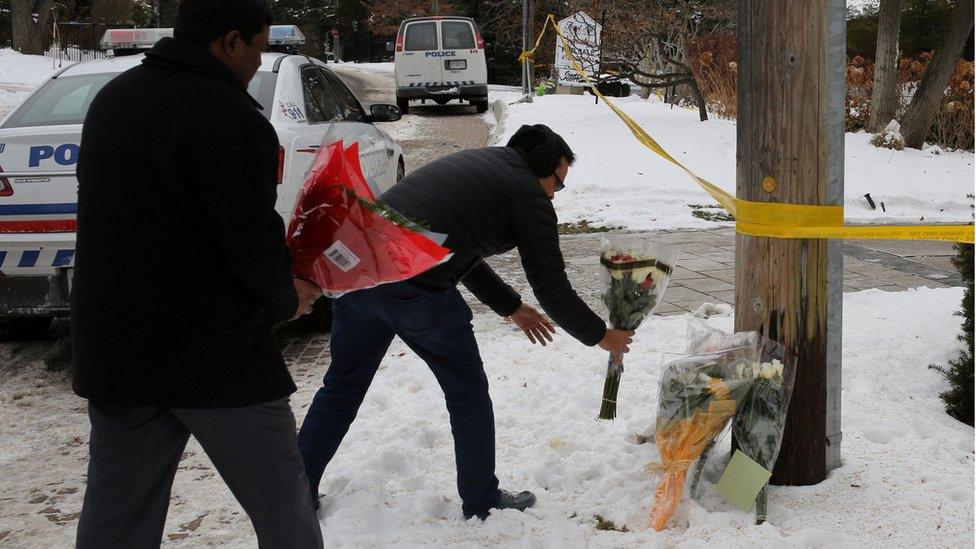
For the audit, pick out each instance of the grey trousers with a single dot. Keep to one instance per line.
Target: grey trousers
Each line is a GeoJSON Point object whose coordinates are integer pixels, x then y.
{"type": "Point", "coordinates": [135, 452]}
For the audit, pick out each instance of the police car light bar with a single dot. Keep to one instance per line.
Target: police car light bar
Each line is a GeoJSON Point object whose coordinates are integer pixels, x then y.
{"type": "Point", "coordinates": [124, 39]}
{"type": "Point", "coordinates": [285, 35]}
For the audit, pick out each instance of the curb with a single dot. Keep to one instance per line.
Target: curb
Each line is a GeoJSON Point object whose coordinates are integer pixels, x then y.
{"type": "Point", "coordinates": [499, 110]}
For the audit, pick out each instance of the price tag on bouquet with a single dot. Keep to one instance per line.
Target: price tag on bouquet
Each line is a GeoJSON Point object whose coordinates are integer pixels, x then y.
{"type": "Point", "coordinates": [742, 481]}
{"type": "Point", "coordinates": [344, 239]}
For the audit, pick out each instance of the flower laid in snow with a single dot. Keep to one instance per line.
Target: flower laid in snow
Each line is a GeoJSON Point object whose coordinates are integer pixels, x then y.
{"type": "Point", "coordinates": [758, 427]}
{"type": "Point", "coordinates": [689, 417]}
{"type": "Point", "coordinates": [742, 377]}
{"type": "Point", "coordinates": [635, 276]}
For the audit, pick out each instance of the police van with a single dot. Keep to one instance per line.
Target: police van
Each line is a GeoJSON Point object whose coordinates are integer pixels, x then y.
{"type": "Point", "coordinates": [441, 59]}
{"type": "Point", "coordinates": [308, 105]}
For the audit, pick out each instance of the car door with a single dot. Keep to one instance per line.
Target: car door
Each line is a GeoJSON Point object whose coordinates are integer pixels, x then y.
{"type": "Point", "coordinates": [414, 65]}
{"type": "Point", "coordinates": [376, 151]}
{"type": "Point", "coordinates": [463, 62]}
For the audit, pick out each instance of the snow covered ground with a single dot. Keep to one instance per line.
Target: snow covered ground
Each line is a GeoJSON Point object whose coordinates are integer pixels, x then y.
{"type": "Point", "coordinates": [617, 182]}
{"type": "Point", "coordinates": [908, 471]}
{"type": "Point", "coordinates": [906, 479]}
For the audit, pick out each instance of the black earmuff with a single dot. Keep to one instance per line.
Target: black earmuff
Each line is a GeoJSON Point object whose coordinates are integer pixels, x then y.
{"type": "Point", "coordinates": [539, 147]}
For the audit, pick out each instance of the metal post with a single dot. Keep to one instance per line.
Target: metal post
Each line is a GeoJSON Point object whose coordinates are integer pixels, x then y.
{"type": "Point", "coordinates": [599, 63]}
{"type": "Point", "coordinates": [437, 7]}
{"type": "Point", "coordinates": [836, 54]}
{"type": "Point", "coordinates": [531, 35]}
{"type": "Point", "coordinates": [526, 8]}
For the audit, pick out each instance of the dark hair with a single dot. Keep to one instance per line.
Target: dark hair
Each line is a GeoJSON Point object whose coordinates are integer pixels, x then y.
{"type": "Point", "coordinates": [541, 148]}
{"type": "Point", "coordinates": [201, 22]}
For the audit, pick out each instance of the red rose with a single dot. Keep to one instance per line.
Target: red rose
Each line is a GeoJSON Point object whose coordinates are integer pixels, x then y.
{"type": "Point", "coordinates": [648, 283]}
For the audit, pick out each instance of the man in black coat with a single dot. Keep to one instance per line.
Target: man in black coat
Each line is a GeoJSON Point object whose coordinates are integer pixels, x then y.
{"type": "Point", "coordinates": [488, 201]}
{"type": "Point", "coordinates": [181, 271]}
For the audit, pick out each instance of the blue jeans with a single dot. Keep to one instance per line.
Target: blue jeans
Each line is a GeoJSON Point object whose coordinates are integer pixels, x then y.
{"type": "Point", "coordinates": [437, 326]}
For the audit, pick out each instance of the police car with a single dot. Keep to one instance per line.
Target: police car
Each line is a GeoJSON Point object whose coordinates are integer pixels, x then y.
{"type": "Point", "coordinates": [307, 104]}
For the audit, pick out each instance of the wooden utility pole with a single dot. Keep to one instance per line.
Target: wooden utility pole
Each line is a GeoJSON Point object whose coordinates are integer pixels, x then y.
{"type": "Point", "coordinates": [790, 136]}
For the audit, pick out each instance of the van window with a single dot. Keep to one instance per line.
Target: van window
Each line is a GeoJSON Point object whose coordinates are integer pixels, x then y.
{"type": "Point", "coordinates": [421, 36]}
{"type": "Point", "coordinates": [457, 35]}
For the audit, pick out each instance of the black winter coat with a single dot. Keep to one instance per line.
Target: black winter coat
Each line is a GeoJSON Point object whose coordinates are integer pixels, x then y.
{"type": "Point", "coordinates": [181, 264]}
{"type": "Point", "coordinates": [488, 202]}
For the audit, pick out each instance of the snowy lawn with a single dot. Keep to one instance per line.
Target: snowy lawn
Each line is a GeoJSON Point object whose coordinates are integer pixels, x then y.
{"type": "Point", "coordinates": [906, 480]}
{"type": "Point", "coordinates": [911, 466]}
{"type": "Point", "coordinates": [617, 182]}
{"type": "Point", "coordinates": [20, 74]}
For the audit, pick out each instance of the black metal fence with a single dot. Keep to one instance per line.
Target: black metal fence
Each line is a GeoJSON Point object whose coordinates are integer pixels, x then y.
{"type": "Point", "coordinates": [77, 41]}
{"type": "Point", "coordinates": [366, 47]}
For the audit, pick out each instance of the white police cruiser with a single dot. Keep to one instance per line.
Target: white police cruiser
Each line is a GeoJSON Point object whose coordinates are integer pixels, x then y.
{"type": "Point", "coordinates": [440, 58]}
{"type": "Point", "coordinates": [306, 103]}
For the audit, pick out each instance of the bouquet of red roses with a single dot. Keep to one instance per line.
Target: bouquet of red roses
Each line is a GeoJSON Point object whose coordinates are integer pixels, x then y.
{"type": "Point", "coordinates": [635, 274]}
{"type": "Point", "coordinates": [343, 239]}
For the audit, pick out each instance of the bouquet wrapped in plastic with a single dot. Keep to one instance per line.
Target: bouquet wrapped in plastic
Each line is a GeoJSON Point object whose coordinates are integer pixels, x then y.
{"type": "Point", "coordinates": [635, 276]}
{"type": "Point", "coordinates": [699, 395]}
{"type": "Point", "coordinates": [343, 239]}
{"type": "Point", "coordinates": [744, 378]}
{"type": "Point", "coordinates": [758, 427]}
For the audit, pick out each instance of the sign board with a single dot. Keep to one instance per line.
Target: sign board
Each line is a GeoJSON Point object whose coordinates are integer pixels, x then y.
{"type": "Point", "coordinates": [583, 34]}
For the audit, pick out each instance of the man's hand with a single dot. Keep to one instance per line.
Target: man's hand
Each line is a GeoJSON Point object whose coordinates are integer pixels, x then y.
{"type": "Point", "coordinates": [617, 341]}
{"type": "Point", "coordinates": [307, 292]}
{"type": "Point", "coordinates": [536, 326]}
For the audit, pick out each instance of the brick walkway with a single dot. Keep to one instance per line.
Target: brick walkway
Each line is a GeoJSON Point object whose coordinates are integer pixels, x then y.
{"type": "Point", "coordinates": [706, 267]}
{"type": "Point", "coordinates": [429, 131]}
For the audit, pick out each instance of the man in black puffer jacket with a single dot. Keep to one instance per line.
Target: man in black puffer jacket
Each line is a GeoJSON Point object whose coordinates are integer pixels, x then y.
{"type": "Point", "coordinates": [488, 201]}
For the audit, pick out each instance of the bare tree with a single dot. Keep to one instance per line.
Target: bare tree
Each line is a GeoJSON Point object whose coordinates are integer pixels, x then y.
{"type": "Point", "coordinates": [648, 43]}
{"type": "Point", "coordinates": [928, 96]}
{"type": "Point", "coordinates": [884, 95]}
{"type": "Point", "coordinates": [29, 22]}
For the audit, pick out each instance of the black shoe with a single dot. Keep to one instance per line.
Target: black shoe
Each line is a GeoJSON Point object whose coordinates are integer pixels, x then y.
{"type": "Point", "coordinates": [508, 500]}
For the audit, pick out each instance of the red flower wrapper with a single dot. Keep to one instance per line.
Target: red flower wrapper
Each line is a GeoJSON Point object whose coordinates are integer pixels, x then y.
{"type": "Point", "coordinates": [343, 239]}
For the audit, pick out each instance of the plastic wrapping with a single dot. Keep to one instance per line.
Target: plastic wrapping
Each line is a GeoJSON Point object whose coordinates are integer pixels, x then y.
{"type": "Point", "coordinates": [634, 278]}
{"type": "Point", "coordinates": [343, 239]}
{"type": "Point", "coordinates": [742, 378]}
{"type": "Point", "coordinates": [698, 397]}
{"type": "Point", "coordinates": [758, 427]}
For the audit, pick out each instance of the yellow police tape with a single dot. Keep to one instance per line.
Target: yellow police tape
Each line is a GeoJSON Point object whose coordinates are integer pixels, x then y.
{"type": "Point", "coordinates": [766, 218]}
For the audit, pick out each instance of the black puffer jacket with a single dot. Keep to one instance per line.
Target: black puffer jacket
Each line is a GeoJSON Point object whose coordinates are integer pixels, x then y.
{"type": "Point", "coordinates": [488, 202]}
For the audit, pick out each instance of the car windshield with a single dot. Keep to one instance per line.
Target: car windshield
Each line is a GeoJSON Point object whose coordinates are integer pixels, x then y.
{"type": "Point", "coordinates": [65, 100]}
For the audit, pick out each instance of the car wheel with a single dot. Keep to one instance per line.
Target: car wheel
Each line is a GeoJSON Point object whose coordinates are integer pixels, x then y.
{"type": "Point", "coordinates": [481, 106]}
{"type": "Point", "coordinates": [320, 319]}
{"type": "Point", "coordinates": [403, 105]}
{"type": "Point", "coordinates": [26, 327]}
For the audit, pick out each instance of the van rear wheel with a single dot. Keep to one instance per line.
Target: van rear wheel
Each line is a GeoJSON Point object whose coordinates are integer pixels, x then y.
{"type": "Point", "coordinates": [481, 105]}
{"type": "Point", "coordinates": [403, 105]}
